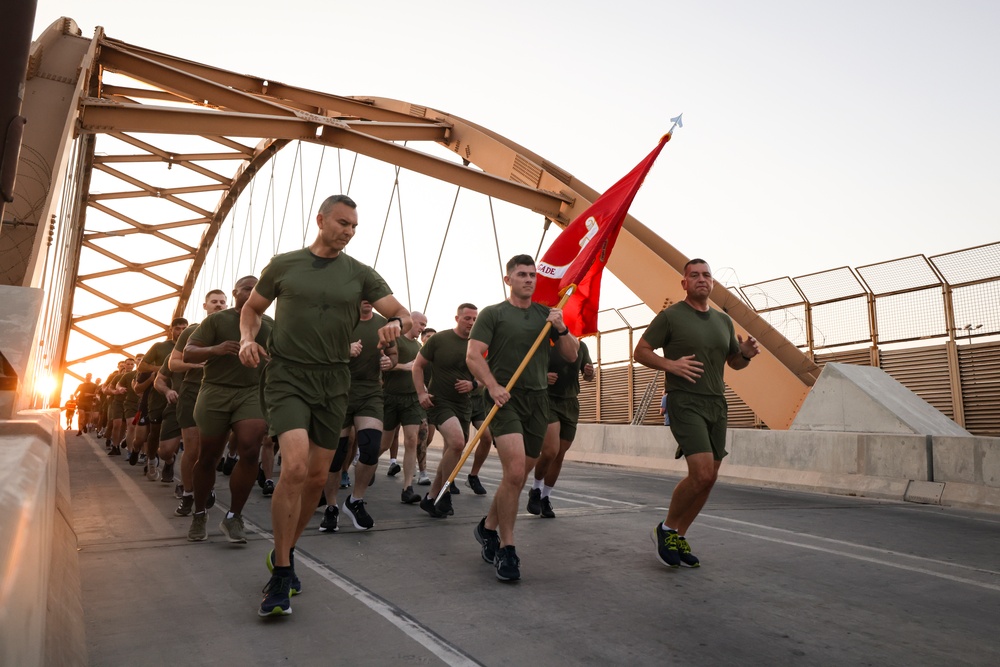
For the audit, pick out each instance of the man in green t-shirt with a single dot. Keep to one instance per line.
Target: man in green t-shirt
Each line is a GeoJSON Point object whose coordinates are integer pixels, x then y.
{"type": "Point", "coordinates": [505, 332]}
{"type": "Point", "coordinates": [151, 402]}
{"type": "Point", "coordinates": [697, 343]}
{"type": "Point", "coordinates": [402, 410]}
{"type": "Point", "coordinates": [318, 292]}
{"type": "Point", "coordinates": [187, 396]}
{"type": "Point", "coordinates": [364, 418]}
{"type": "Point", "coordinates": [447, 399]}
{"type": "Point", "coordinates": [113, 408]}
{"type": "Point", "coordinates": [564, 413]}
{"type": "Point", "coordinates": [229, 400]}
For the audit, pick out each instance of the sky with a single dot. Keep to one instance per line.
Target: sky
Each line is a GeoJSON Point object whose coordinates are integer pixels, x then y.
{"type": "Point", "coordinates": [816, 134]}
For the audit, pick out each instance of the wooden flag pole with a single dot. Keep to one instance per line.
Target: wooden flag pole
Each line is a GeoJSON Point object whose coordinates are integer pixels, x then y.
{"type": "Point", "coordinates": [510, 385]}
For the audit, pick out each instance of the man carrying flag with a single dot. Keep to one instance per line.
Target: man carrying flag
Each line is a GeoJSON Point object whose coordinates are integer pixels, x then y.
{"type": "Point", "coordinates": [501, 338]}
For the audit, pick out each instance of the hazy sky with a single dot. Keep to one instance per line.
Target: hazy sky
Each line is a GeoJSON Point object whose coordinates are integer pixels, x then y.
{"type": "Point", "coordinates": [816, 135]}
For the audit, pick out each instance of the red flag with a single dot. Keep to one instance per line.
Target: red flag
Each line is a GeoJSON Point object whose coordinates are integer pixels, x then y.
{"type": "Point", "coordinates": [579, 253]}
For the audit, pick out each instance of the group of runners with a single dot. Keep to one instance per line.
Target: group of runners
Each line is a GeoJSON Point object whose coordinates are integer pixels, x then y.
{"type": "Point", "coordinates": [343, 372]}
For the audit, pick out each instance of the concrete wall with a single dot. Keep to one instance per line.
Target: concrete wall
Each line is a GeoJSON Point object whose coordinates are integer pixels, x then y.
{"type": "Point", "coordinates": [41, 612]}
{"type": "Point", "coordinates": [947, 470]}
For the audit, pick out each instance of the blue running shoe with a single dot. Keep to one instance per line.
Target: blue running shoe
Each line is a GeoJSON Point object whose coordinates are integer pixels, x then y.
{"type": "Point", "coordinates": [667, 550]}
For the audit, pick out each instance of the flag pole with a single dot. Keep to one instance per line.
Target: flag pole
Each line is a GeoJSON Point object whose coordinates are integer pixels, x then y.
{"type": "Point", "coordinates": [510, 385]}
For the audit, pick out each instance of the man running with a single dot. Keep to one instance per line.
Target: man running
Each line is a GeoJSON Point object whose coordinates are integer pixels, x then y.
{"type": "Point", "coordinates": [319, 291]}
{"type": "Point", "coordinates": [148, 367]}
{"type": "Point", "coordinates": [697, 343]}
{"type": "Point", "coordinates": [86, 401]}
{"type": "Point", "coordinates": [447, 399]}
{"type": "Point", "coordinates": [505, 332]}
{"type": "Point", "coordinates": [229, 400]}
{"type": "Point", "coordinates": [564, 413]}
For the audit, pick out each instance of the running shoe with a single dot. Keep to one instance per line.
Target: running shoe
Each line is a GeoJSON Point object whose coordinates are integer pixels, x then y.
{"type": "Point", "coordinates": [408, 497]}
{"type": "Point", "coordinates": [476, 486]}
{"type": "Point", "coordinates": [394, 469]}
{"type": "Point", "coordinates": [115, 451]}
{"type": "Point", "coordinates": [667, 547]}
{"type": "Point", "coordinates": [210, 503]}
{"type": "Point", "coordinates": [345, 480]}
{"type": "Point", "coordinates": [428, 505]}
{"type": "Point", "coordinates": [547, 508]}
{"type": "Point", "coordinates": [268, 490]}
{"type": "Point", "coordinates": [179, 491]}
{"type": "Point", "coordinates": [507, 563]}
{"type": "Point", "coordinates": [358, 514]}
{"type": "Point", "coordinates": [423, 479]}
{"type": "Point", "coordinates": [198, 532]}
{"type": "Point", "coordinates": [187, 504]}
{"type": "Point", "coordinates": [330, 518]}
{"type": "Point", "coordinates": [444, 505]}
{"type": "Point", "coordinates": [133, 457]}
{"type": "Point", "coordinates": [684, 553]}
{"type": "Point", "coordinates": [296, 586]}
{"type": "Point", "coordinates": [229, 464]}
{"type": "Point", "coordinates": [260, 477]}
{"type": "Point", "coordinates": [535, 502]}
{"type": "Point", "coordinates": [277, 597]}
{"type": "Point", "coordinates": [453, 488]}
{"type": "Point", "coordinates": [490, 539]}
{"type": "Point", "coordinates": [234, 530]}
{"type": "Point", "coordinates": [167, 474]}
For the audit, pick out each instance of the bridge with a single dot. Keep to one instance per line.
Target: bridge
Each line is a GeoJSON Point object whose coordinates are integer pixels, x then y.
{"type": "Point", "coordinates": [125, 145]}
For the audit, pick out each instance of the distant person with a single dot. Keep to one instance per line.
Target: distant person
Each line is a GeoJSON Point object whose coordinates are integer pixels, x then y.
{"type": "Point", "coordinates": [426, 432]}
{"type": "Point", "coordinates": [697, 342]}
{"type": "Point", "coordinates": [318, 290]}
{"type": "Point", "coordinates": [663, 409]}
{"type": "Point", "coordinates": [86, 400]}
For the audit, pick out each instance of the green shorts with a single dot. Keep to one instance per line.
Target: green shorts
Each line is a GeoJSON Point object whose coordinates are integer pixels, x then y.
{"type": "Point", "coordinates": [527, 414]}
{"type": "Point", "coordinates": [170, 428]}
{"type": "Point", "coordinates": [443, 410]}
{"type": "Point", "coordinates": [401, 409]}
{"type": "Point", "coordinates": [116, 410]}
{"type": "Point", "coordinates": [186, 399]}
{"type": "Point", "coordinates": [313, 398]}
{"type": "Point", "coordinates": [219, 407]}
{"type": "Point", "coordinates": [698, 423]}
{"type": "Point", "coordinates": [566, 411]}
{"type": "Point", "coordinates": [364, 400]}
{"type": "Point", "coordinates": [157, 404]}
{"type": "Point", "coordinates": [478, 401]}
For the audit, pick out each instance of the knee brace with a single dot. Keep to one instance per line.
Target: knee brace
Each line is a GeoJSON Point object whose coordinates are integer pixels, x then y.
{"type": "Point", "coordinates": [338, 458]}
{"type": "Point", "coordinates": [369, 440]}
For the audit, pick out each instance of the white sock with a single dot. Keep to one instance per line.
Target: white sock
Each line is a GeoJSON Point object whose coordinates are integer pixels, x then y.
{"type": "Point", "coordinates": [392, 460]}
{"type": "Point", "coordinates": [229, 515]}
{"type": "Point", "coordinates": [666, 527]}
{"type": "Point", "coordinates": [538, 483]}
{"type": "Point", "coordinates": [189, 493]}
{"type": "Point", "coordinates": [546, 490]}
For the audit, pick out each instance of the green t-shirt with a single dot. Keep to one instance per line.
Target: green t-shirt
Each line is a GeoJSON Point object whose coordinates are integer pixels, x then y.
{"type": "Point", "coordinates": [158, 352]}
{"type": "Point", "coordinates": [158, 401]}
{"type": "Point", "coordinates": [227, 370]}
{"type": "Point", "coordinates": [193, 375]}
{"type": "Point", "coordinates": [397, 381]}
{"type": "Point", "coordinates": [509, 332]}
{"type": "Point", "coordinates": [318, 304]}
{"type": "Point", "coordinates": [446, 353]}
{"type": "Point", "coordinates": [366, 369]}
{"type": "Point", "coordinates": [567, 385]}
{"type": "Point", "coordinates": [129, 398]}
{"type": "Point", "coordinates": [680, 331]}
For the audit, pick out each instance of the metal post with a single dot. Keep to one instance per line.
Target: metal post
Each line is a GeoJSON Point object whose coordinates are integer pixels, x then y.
{"type": "Point", "coordinates": [15, 45]}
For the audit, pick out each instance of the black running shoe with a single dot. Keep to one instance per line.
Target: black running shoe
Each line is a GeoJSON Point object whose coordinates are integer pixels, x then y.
{"type": "Point", "coordinates": [358, 514]}
{"type": "Point", "coordinates": [218, 466]}
{"type": "Point", "coordinates": [535, 502]}
{"type": "Point", "coordinates": [667, 549]}
{"type": "Point", "coordinates": [444, 505]}
{"type": "Point", "coordinates": [115, 451]}
{"type": "Point", "coordinates": [476, 486]}
{"type": "Point", "coordinates": [507, 563]}
{"type": "Point", "coordinates": [453, 489]}
{"type": "Point", "coordinates": [296, 585]}
{"type": "Point", "coordinates": [394, 469]}
{"type": "Point", "coordinates": [260, 477]}
{"type": "Point", "coordinates": [227, 467]}
{"type": "Point", "coordinates": [268, 490]}
{"type": "Point", "coordinates": [210, 503]}
{"type": "Point", "coordinates": [345, 480]}
{"type": "Point", "coordinates": [277, 597]}
{"type": "Point", "coordinates": [408, 497]}
{"type": "Point", "coordinates": [684, 553]}
{"type": "Point", "coordinates": [330, 518]}
{"type": "Point", "coordinates": [185, 507]}
{"type": "Point", "coordinates": [133, 457]}
{"type": "Point", "coordinates": [167, 474]}
{"type": "Point", "coordinates": [490, 539]}
{"type": "Point", "coordinates": [427, 504]}
{"type": "Point", "coordinates": [547, 508]}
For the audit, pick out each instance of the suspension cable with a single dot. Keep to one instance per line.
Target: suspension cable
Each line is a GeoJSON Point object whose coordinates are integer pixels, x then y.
{"type": "Point", "coordinates": [312, 202]}
{"type": "Point", "coordinates": [441, 252]}
{"type": "Point", "coordinates": [385, 223]}
{"type": "Point", "coordinates": [267, 200]}
{"type": "Point", "coordinates": [402, 238]}
{"type": "Point", "coordinates": [496, 238]}
{"type": "Point", "coordinates": [288, 197]}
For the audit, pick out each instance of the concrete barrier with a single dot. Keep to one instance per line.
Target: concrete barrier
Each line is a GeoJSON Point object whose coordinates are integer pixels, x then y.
{"type": "Point", "coordinates": [947, 470]}
{"type": "Point", "coordinates": [41, 611]}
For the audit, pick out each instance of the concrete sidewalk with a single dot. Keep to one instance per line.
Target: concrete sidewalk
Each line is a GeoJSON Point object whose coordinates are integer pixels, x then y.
{"type": "Point", "coordinates": [787, 578]}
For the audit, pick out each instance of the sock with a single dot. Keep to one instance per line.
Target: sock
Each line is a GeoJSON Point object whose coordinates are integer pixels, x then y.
{"type": "Point", "coordinates": [546, 490]}
{"type": "Point", "coordinates": [229, 515]}
{"type": "Point", "coordinates": [189, 493]}
{"type": "Point", "coordinates": [282, 571]}
{"type": "Point", "coordinates": [537, 484]}
{"type": "Point", "coordinates": [351, 498]}
{"type": "Point", "coordinates": [392, 461]}
{"type": "Point", "coordinates": [668, 528]}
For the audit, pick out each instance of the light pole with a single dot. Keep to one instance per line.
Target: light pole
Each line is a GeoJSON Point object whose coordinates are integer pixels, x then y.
{"type": "Point", "coordinates": [968, 329]}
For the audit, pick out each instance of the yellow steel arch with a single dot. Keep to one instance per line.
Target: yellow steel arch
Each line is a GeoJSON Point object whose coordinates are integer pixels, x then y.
{"type": "Point", "coordinates": [143, 102]}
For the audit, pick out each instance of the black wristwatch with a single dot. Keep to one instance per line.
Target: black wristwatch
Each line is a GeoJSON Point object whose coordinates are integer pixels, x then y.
{"type": "Point", "coordinates": [397, 319]}
{"type": "Point", "coordinates": [745, 356]}
{"type": "Point", "coordinates": [560, 334]}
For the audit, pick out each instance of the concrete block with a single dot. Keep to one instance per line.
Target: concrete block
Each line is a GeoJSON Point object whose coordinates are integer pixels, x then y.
{"type": "Point", "coordinates": [898, 456]}
{"type": "Point", "coordinates": [868, 400]}
{"type": "Point", "coordinates": [958, 459]}
{"type": "Point", "coordinates": [927, 493]}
